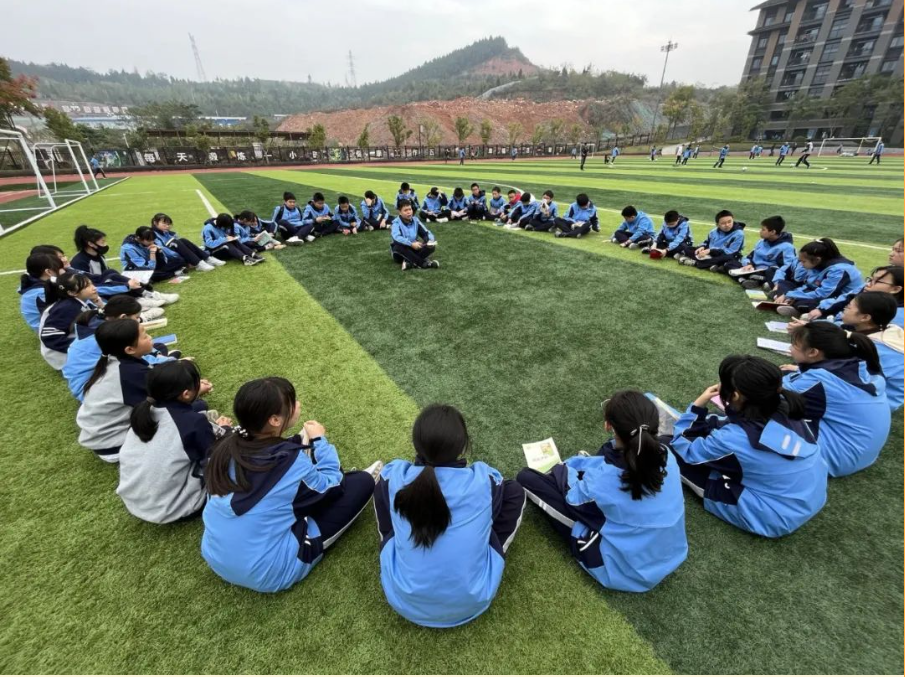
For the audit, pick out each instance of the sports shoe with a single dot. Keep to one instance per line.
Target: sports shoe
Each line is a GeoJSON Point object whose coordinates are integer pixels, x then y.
{"type": "Point", "coordinates": [767, 287]}
{"type": "Point", "coordinates": [310, 238]}
{"type": "Point", "coordinates": [750, 284]}
{"type": "Point", "coordinates": [717, 269]}
{"type": "Point", "coordinates": [443, 219]}
{"type": "Point", "coordinates": [557, 234]}
{"type": "Point", "coordinates": [433, 264]}
{"type": "Point", "coordinates": [405, 265]}
{"type": "Point", "coordinates": [149, 314]}
{"type": "Point", "coordinates": [645, 250]}
{"type": "Point", "coordinates": [596, 228]}
{"type": "Point", "coordinates": [294, 240]}
{"type": "Point", "coordinates": [148, 302]}
{"type": "Point", "coordinates": [688, 262]}
{"type": "Point", "coordinates": [204, 267]}
{"type": "Point", "coordinates": [257, 257]}
{"type": "Point", "coordinates": [614, 240]}
{"type": "Point", "coordinates": [634, 245]}
{"type": "Point", "coordinates": [214, 261]}
{"type": "Point", "coordinates": [248, 261]}
{"type": "Point", "coordinates": [583, 453]}
{"type": "Point", "coordinates": [374, 470]}
{"type": "Point", "coordinates": [166, 298]}
{"type": "Point", "coordinates": [788, 311]}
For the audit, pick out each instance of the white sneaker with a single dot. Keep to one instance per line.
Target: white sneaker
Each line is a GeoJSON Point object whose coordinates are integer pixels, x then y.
{"type": "Point", "coordinates": [214, 261]}
{"type": "Point", "coordinates": [166, 298]}
{"type": "Point", "coordinates": [151, 314]}
{"type": "Point", "coordinates": [147, 301]}
{"type": "Point", "coordinates": [374, 470]}
{"type": "Point", "coordinates": [443, 220]}
{"type": "Point", "coordinates": [248, 261]}
{"type": "Point", "coordinates": [294, 240]}
{"type": "Point", "coordinates": [204, 267]}
{"type": "Point", "coordinates": [310, 238]}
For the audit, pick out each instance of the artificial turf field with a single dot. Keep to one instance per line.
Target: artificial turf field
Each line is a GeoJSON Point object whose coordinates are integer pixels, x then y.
{"type": "Point", "coordinates": [526, 335]}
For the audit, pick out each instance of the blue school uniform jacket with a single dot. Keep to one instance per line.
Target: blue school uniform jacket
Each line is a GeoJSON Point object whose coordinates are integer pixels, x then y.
{"type": "Point", "coordinates": [724, 151]}
{"type": "Point", "coordinates": [435, 204]}
{"type": "Point", "coordinates": [376, 211]}
{"type": "Point", "coordinates": [726, 244]}
{"type": "Point", "coordinates": [215, 237]}
{"type": "Point", "coordinates": [458, 204]}
{"type": "Point", "coordinates": [479, 200]}
{"type": "Point", "coordinates": [586, 214]}
{"type": "Point", "coordinates": [624, 544]}
{"type": "Point", "coordinates": [830, 282]}
{"type": "Point", "coordinates": [899, 319]}
{"type": "Point", "coordinates": [311, 212]}
{"type": "Point", "coordinates": [55, 329]}
{"type": "Point", "coordinates": [795, 273]}
{"type": "Point", "coordinates": [456, 579]}
{"type": "Point", "coordinates": [406, 233]}
{"type": "Point", "coordinates": [546, 213]}
{"type": "Point", "coordinates": [641, 228]}
{"type": "Point", "coordinates": [108, 282]}
{"type": "Point", "coordinates": [892, 362]}
{"type": "Point", "coordinates": [496, 205]}
{"type": "Point", "coordinates": [32, 303]}
{"type": "Point", "coordinates": [522, 213]}
{"type": "Point", "coordinates": [283, 213]}
{"type": "Point", "coordinates": [411, 196]}
{"type": "Point", "coordinates": [253, 538]}
{"type": "Point", "coordinates": [848, 410]}
{"type": "Point", "coordinates": [766, 478]}
{"type": "Point", "coordinates": [774, 254]}
{"type": "Point", "coordinates": [243, 233]}
{"type": "Point", "coordinates": [677, 235]}
{"type": "Point", "coordinates": [348, 218]}
{"type": "Point", "coordinates": [616, 151]}
{"type": "Point", "coordinates": [135, 256]}
{"type": "Point", "coordinates": [784, 149]}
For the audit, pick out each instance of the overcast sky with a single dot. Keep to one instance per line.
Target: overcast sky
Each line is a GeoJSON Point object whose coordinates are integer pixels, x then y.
{"type": "Point", "coordinates": [288, 40]}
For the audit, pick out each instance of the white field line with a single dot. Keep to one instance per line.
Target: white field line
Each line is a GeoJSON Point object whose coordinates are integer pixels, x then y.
{"type": "Point", "coordinates": [207, 203]}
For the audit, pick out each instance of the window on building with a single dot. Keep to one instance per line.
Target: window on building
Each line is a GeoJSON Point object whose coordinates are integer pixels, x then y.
{"type": "Point", "coordinates": [830, 50]}
{"type": "Point", "coordinates": [756, 63]}
{"type": "Point", "coordinates": [790, 12]}
{"type": "Point", "coordinates": [785, 95]}
{"type": "Point", "coordinates": [791, 79]}
{"type": "Point", "coordinates": [853, 70]}
{"type": "Point", "coordinates": [862, 48]}
{"type": "Point", "coordinates": [781, 37]}
{"type": "Point", "coordinates": [799, 57]}
{"type": "Point", "coordinates": [822, 74]}
{"type": "Point", "coordinates": [897, 41]}
{"type": "Point", "coordinates": [888, 66]}
{"type": "Point", "coordinates": [838, 28]}
{"type": "Point", "coordinates": [871, 24]}
{"type": "Point", "coordinates": [815, 11]}
{"type": "Point", "coordinates": [769, 18]}
{"type": "Point", "coordinates": [815, 92]}
{"type": "Point", "coordinates": [762, 43]}
{"type": "Point", "coordinates": [873, 4]}
{"type": "Point", "coordinates": [779, 114]}
{"type": "Point", "coordinates": [807, 35]}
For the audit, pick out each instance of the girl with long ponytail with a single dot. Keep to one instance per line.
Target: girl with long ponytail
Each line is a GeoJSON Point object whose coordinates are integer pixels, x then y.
{"type": "Point", "coordinates": [841, 378]}
{"type": "Point", "coordinates": [444, 525]}
{"type": "Point", "coordinates": [759, 466]}
{"type": "Point", "coordinates": [624, 504]}
{"type": "Point", "coordinates": [66, 296]}
{"type": "Point", "coordinates": [829, 277]}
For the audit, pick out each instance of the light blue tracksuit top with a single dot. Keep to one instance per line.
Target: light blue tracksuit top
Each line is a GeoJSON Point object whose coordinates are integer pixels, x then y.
{"type": "Point", "coordinates": [406, 233]}
{"type": "Point", "coordinates": [828, 283]}
{"type": "Point", "coordinates": [641, 228]}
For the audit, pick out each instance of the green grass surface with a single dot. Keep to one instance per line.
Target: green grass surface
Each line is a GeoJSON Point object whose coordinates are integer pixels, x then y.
{"type": "Point", "coordinates": [526, 334]}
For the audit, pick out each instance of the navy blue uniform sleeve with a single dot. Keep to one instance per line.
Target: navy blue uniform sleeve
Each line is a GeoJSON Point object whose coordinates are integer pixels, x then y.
{"type": "Point", "coordinates": [133, 378]}
{"type": "Point", "coordinates": [382, 510]}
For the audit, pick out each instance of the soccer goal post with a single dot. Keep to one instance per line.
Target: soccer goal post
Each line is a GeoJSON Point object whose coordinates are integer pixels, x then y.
{"type": "Point", "coordinates": [849, 146]}
{"type": "Point", "coordinates": [17, 140]}
{"type": "Point", "coordinates": [66, 152]}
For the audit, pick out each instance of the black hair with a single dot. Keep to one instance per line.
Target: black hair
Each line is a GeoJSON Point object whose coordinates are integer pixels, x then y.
{"type": "Point", "coordinates": [64, 286]}
{"type": "Point", "coordinates": [121, 304]}
{"type": "Point", "coordinates": [671, 216]}
{"type": "Point", "coordinates": [288, 196]}
{"type": "Point", "coordinates": [837, 344]}
{"type": "Point", "coordinates": [370, 194]}
{"type": "Point", "coordinates": [317, 197]}
{"type": "Point", "coordinates": [36, 264]}
{"type": "Point", "coordinates": [113, 337]}
{"type": "Point", "coordinates": [255, 402]}
{"type": "Point", "coordinates": [404, 186]}
{"type": "Point", "coordinates": [458, 192]}
{"type": "Point", "coordinates": [759, 383]}
{"type": "Point", "coordinates": [824, 249]}
{"type": "Point", "coordinates": [526, 197]}
{"type": "Point", "coordinates": [46, 249]}
{"type": "Point", "coordinates": [474, 185]}
{"type": "Point", "coordinates": [246, 215]}
{"type": "Point", "coordinates": [636, 422]}
{"type": "Point", "coordinates": [160, 217]}
{"type": "Point", "coordinates": [897, 278]}
{"type": "Point", "coordinates": [225, 222]}
{"type": "Point", "coordinates": [549, 194]}
{"type": "Point", "coordinates": [512, 191]}
{"type": "Point", "coordinates": [880, 305]}
{"type": "Point", "coordinates": [403, 203]}
{"type": "Point", "coordinates": [439, 436]}
{"type": "Point", "coordinates": [343, 200]}
{"type": "Point", "coordinates": [723, 213]}
{"type": "Point", "coordinates": [86, 235]}
{"type": "Point", "coordinates": [629, 211]}
{"type": "Point", "coordinates": [775, 223]}
{"type": "Point", "coordinates": [166, 383]}
{"type": "Point", "coordinates": [144, 233]}
{"type": "Point", "coordinates": [496, 189]}
{"type": "Point", "coordinates": [582, 200]}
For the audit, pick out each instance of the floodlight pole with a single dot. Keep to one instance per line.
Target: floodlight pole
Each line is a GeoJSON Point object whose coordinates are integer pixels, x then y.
{"type": "Point", "coordinates": [668, 47]}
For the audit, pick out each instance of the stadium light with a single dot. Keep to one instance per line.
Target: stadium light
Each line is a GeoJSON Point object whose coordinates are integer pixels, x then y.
{"type": "Point", "coordinates": [668, 47]}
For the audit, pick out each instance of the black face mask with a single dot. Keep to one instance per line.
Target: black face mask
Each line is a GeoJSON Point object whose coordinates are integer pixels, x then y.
{"type": "Point", "coordinates": [101, 250]}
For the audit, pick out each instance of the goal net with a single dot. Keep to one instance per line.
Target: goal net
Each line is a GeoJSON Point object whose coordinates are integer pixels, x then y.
{"type": "Point", "coordinates": [20, 205]}
{"type": "Point", "coordinates": [848, 146]}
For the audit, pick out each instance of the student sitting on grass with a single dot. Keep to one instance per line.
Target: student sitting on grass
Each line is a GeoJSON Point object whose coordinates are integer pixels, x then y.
{"type": "Point", "coordinates": [288, 220]}
{"type": "Point", "coordinates": [407, 193]}
{"type": "Point", "coordinates": [673, 236]}
{"type": "Point", "coordinates": [545, 215]}
{"type": "Point", "coordinates": [758, 467]}
{"type": "Point", "coordinates": [636, 230]}
{"type": "Point", "coordinates": [772, 252]}
{"type": "Point", "coordinates": [579, 220]}
{"type": "Point", "coordinates": [458, 205]}
{"type": "Point", "coordinates": [723, 245]}
{"type": "Point", "coordinates": [435, 207]}
{"type": "Point", "coordinates": [84, 352]}
{"type": "Point", "coordinates": [513, 201]}
{"type": "Point", "coordinates": [257, 234]}
{"type": "Point", "coordinates": [160, 461]}
{"type": "Point", "coordinates": [885, 278]}
{"type": "Point", "coordinates": [522, 213]}
{"type": "Point", "coordinates": [413, 244]}
{"type": "Point", "coordinates": [139, 252]}
{"type": "Point", "coordinates": [477, 204]}
{"type": "Point", "coordinates": [842, 381]}
{"type": "Point", "coordinates": [65, 297]}
{"type": "Point", "coordinates": [193, 255]}
{"type": "Point", "coordinates": [621, 511]}
{"type": "Point", "coordinates": [275, 504]}
{"type": "Point", "coordinates": [39, 269]}
{"type": "Point", "coordinates": [92, 248]}
{"type": "Point", "coordinates": [496, 205]}
{"type": "Point", "coordinates": [346, 216]}
{"type": "Point", "coordinates": [833, 278]}
{"type": "Point", "coordinates": [221, 240]}
{"type": "Point", "coordinates": [318, 215]}
{"type": "Point", "coordinates": [374, 214]}
{"type": "Point", "coordinates": [871, 313]}
{"type": "Point", "coordinates": [444, 525]}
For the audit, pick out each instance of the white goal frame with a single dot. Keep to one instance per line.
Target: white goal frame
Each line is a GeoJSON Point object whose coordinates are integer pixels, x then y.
{"type": "Point", "coordinates": [74, 149]}
{"type": "Point", "coordinates": [8, 136]}
{"type": "Point", "coordinates": [868, 143]}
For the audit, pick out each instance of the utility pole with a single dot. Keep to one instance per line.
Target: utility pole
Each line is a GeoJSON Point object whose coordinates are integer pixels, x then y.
{"type": "Point", "coordinates": [199, 67]}
{"type": "Point", "coordinates": [668, 47]}
{"type": "Point", "coordinates": [351, 80]}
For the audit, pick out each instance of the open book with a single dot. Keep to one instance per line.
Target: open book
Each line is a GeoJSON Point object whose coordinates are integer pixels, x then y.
{"type": "Point", "coordinates": [766, 305]}
{"type": "Point", "coordinates": [668, 415]}
{"type": "Point", "coordinates": [777, 346]}
{"type": "Point", "coordinates": [143, 276]}
{"type": "Point", "coordinates": [541, 456]}
{"type": "Point", "coordinates": [756, 294]}
{"type": "Point", "coordinates": [159, 323]}
{"type": "Point", "coordinates": [738, 272]}
{"type": "Point", "coordinates": [778, 327]}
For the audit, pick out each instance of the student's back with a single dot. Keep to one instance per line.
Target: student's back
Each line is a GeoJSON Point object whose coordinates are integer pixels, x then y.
{"type": "Point", "coordinates": [31, 303]}
{"type": "Point", "coordinates": [455, 579]}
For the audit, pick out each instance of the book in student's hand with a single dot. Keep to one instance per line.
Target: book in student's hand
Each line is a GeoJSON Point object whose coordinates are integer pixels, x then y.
{"type": "Point", "coordinates": [738, 272]}
{"type": "Point", "coordinates": [159, 323]}
{"type": "Point", "coordinates": [776, 346]}
{"type": "Point", "coordinates": [167, 340]}
{"type": "Point", "coordinates": [668, 415]}
{"type": "Point", "coordinates": [756, 294]}
{"type": "Point", "coordinates": [777, 327]}
{"type": "Point", "coordinates": [766, 305]}
{"type": "Point", "coordinates": [541, 456]}
{"type": "Point", "coordinates": [143, 276]}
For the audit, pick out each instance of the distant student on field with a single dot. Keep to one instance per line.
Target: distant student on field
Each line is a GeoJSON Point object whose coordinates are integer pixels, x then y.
{"type": "Point", "coordinates": [653, 153]}
{"type": "Point", "coordinates": [461, 156]}
{"type": "Point", "coordinates": [774, 250]}
{"type": "Point", "coordinates": [686, 154]}
{"type": "Point", "coordinates": [96, 167]}
{"type": "Point", "coordinates": [680, 149]}
{"type": "Point", "coordinates": [724, 245]}
{"type": "Point", "coordinates": [615, 154]}
{"type": "Point", "coordinates": [435, 207]}
{"type": "Point", "coordinates": [374, 213]}
{"type": "Point", "coordinates": [673, 236]}
{"type": "Point", "coordinates": [724, 151]}
{"type": "Point", "coordinates": [783, 151]}
{"type": "Point", "coordinates": [805, 154]}
{"type": "Point", "coordinates": [584, 155]}
{"type": "Point", "coordinates": [636, 230]}
{"type": "Point", "coordinates": [413, 244]}
{"type": "Point", "coordinates": [877, 154]}
{"type": "Point", "coordinates": [579, 220]}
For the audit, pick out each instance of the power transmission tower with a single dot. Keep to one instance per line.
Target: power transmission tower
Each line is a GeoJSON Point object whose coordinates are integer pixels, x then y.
{"type": "Point", "coordinates": [350, 80]}
{"type": "Point", "coordinates": [199, 67]}
{"type": "Point", "coordinates": [667, 48]}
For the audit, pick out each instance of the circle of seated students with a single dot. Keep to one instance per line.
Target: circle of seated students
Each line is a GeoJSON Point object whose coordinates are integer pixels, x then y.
{"type": "Point", "coordinates": [761, 464]}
